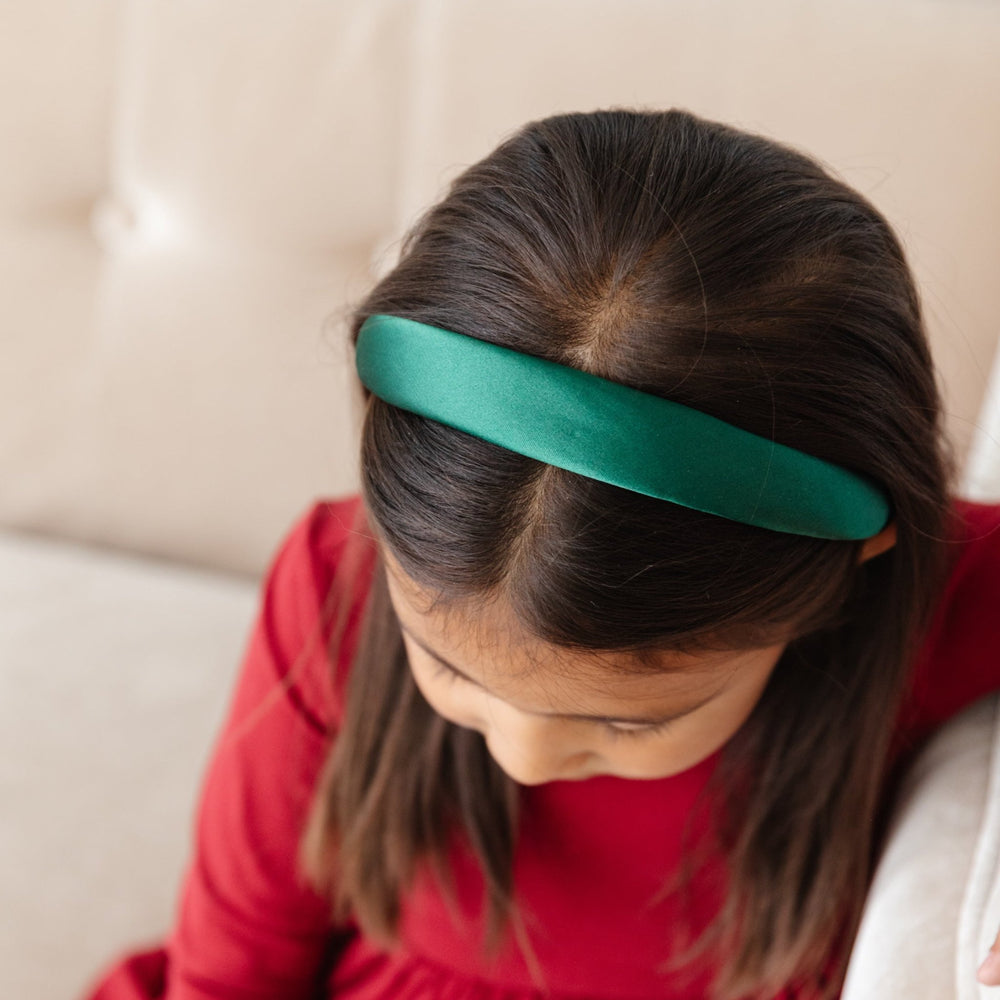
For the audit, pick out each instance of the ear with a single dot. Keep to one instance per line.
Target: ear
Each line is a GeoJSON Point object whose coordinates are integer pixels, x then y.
{"type": "Point", "coordinates": [879, 543]}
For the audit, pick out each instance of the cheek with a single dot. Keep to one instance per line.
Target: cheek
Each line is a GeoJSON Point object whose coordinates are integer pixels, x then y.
{"type": "Point", "coordinates": [655, 756]}
{"type": "Point", "coordinates": [711, 728]}
{"type": "Point", "coordinates": [684, 745]}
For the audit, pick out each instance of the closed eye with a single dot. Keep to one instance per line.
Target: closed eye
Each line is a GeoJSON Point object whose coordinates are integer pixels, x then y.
{"type": "Point", "coordinates": [443, 670]}
{"type": "Point", "coordinates": [617, 730]}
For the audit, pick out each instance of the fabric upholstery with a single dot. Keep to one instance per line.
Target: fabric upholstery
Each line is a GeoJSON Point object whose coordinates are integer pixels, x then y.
{"type": "Point", "coordinates": [193, 194]}
{"type": "Point", "coordinates": [114, 674]}
{"type": "Point", "coordinates": [934, 907]}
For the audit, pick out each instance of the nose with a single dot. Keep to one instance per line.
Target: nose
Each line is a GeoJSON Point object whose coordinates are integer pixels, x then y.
{"type": "Point", "coordinates": [533, 749]}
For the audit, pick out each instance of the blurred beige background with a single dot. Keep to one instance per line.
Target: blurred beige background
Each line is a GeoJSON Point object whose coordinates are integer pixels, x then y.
{"type": "Point", "coordinates": [192, 194]}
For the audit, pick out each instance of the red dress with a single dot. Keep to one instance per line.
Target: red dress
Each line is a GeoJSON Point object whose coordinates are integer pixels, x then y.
{"type": "Point", "coordinates": [590, 856]}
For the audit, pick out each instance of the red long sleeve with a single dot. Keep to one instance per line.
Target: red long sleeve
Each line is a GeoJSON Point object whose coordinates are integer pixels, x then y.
{"type": "Point", "coordinates": [960, 661]}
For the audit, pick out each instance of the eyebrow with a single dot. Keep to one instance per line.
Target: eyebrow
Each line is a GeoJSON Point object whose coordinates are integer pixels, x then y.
{"type": "Point", "coordinates": [657, 720]}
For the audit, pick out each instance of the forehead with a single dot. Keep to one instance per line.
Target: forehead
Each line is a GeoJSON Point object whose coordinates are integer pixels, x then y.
{"type": "Point", "coordinates": [484, 637]}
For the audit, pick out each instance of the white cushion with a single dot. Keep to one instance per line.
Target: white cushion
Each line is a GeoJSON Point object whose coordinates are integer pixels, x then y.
{"type": "Point", "coordinates": [114, 673]}
{"type": "Point", "coordinates": [934, 906]}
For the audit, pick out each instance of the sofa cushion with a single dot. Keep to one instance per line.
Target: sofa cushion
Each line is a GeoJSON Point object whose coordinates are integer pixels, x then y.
{"type": "Point", "coordinates": [114, 674]}
{"type": "Point", "coordinates": [934, 906]}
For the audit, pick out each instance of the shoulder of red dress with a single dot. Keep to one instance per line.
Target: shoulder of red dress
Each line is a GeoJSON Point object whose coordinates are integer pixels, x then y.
{"type": "Point", "coordinates": [328, 557]}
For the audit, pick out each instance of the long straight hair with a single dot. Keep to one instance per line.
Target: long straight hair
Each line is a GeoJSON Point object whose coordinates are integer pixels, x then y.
{"type": "Point", "coordinates": [733, 274]}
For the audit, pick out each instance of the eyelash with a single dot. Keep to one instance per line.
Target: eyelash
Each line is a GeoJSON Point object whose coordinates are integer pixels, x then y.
{"type": "Point", "coordinates": [611, 729]}
{"type": "Point", "coordinates": [616, 733]}
{"type": "Point", "coordinates": [440, 670]}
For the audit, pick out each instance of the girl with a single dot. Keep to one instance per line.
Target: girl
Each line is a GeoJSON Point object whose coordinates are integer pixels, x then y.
{"type": "Point", "coordinates": [656, 581]}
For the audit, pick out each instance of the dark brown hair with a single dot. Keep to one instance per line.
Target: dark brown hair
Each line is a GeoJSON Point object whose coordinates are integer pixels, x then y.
{"type": "Point", "coordinates": [732, 274]}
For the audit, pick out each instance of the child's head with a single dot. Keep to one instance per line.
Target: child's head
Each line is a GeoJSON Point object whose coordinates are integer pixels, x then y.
{"type": "Point", "coordinates": [726, 272]}
{"type": "Point", "coordinates": [694, 262]}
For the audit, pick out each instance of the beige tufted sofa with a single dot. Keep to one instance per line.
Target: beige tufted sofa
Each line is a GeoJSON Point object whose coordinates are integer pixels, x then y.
{"type": "Point", "coordinates": [192, 194]}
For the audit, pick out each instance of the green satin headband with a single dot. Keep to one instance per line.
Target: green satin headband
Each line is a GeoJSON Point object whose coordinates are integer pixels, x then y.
{"type": "Point", "coordinates": [611, 432]}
